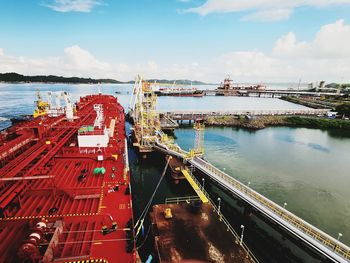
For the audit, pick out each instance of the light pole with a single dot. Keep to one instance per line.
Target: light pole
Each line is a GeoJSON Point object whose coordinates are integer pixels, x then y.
{"type": "Point", "coordinates": [249, 184]}
{"type": "Point", "coordinates": [219, 200]}
{"type": "Point", "coordinates": [203, 183]}
{"type": "Point", "coordinates": [242, 227]}
{"type": "Point", "coordinates": [284, 205]}
{"type": "Point", "coordinates": [339, 236]}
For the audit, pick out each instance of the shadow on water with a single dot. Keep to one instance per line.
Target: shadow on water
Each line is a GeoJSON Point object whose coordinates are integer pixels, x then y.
{"type": "Point", "coordinates": [339, 134]}
{"type": "Point", "coordinates": [268, 242]}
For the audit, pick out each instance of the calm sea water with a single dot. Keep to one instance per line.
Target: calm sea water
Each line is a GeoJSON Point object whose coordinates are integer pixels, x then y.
{"type": "Point", "coordinates": [17, 99]}
{"type": "Point", "coordinates": [307, 168]}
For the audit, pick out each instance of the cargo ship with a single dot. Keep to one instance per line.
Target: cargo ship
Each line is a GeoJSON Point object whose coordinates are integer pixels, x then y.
{"type": "Point", "coordinates": [228, 89]}
{"type": "Point", "coordinates": [65, 192]}
{"type": "Point", "coordinates": [180, 92]}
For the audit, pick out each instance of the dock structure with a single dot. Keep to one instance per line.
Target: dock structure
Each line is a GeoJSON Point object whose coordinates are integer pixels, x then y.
{"type": "Point", "coordinates": [322, 243]}
{"type": "Point", "coordinates": [268, 93]}
{"type": "Point", "coordinates": [202, 114]}
{"type": "Point", "coordinates": [167, 124]}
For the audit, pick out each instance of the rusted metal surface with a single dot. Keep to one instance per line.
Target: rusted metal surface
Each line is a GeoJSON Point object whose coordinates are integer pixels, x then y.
{"type": "Point", "coordinates": [194, 235]}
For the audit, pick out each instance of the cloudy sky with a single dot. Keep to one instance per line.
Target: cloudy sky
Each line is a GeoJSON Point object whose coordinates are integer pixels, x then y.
{"type": "Point", "coordinates": [251, 40]}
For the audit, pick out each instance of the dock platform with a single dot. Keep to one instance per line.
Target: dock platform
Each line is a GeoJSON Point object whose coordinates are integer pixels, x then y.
{"type": "Point", "coordinates": [194, 235]}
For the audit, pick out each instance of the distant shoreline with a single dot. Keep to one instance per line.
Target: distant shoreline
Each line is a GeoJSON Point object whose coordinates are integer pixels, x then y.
{"type": "Point", "coordinates": [71, 83]}
{"type": "Point", "coordinates": [15, 78]}
{"type": "Point", "coordinates": [79, 83]}
{"type": "Point", "coordinates": [278, 121]}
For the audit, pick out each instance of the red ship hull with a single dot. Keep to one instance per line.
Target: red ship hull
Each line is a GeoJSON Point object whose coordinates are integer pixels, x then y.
{"type": "Point", "coordinates": [62, 202]}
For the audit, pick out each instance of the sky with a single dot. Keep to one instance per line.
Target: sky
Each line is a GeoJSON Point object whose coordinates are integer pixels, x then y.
{"type": "Point", "coordinates": [249, 40]}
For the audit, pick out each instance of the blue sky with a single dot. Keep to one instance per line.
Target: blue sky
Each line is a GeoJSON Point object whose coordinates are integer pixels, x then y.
{"type": "Point", "coordinates": [198, 39]}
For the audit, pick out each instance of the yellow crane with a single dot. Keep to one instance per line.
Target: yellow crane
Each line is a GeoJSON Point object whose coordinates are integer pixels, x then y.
{"type": "Point", "coordinates": [41, 106]}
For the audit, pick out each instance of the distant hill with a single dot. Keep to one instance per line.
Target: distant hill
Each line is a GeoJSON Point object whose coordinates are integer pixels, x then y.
{"type": "Point", "coordinates": [15, 77]}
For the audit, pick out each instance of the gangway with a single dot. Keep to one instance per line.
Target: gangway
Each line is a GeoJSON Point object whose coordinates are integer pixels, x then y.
{"type": "Point", "coordinates": [195, 186]}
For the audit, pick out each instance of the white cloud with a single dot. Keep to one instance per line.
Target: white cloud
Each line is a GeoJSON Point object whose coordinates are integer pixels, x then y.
{"type": "Point", "coordinates": [75, 61]}
{"type": "Point", "coordinates": [330, 42]}
{"type": "Point", "coordinates": [248, 63]}
{"type": "Point", "coordinates": [79, 59]}
{"type": "Point", "coordinates": [269, 15]}
{"type": "Point", "coordinates": [265, 10]}
{"type": "Point", "coordinates": [288, 45]}
{"type": "Point", "coordinates": [64, 6]}
{"type": "Point", "coordinates": [326, 56]}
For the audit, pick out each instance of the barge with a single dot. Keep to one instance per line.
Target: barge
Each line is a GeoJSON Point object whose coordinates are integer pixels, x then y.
{"type": "Point", "coordinates": [180, 92]}
{"type": "Point", "coordinates": [192, 232]}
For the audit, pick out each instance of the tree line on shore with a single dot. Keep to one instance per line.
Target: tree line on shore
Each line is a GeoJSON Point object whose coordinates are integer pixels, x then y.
{"type": "Point", "coordinates": [13, 77]}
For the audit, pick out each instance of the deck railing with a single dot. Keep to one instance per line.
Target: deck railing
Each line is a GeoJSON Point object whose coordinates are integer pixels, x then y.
{"type": "Point", "coordinates": [222, 218]}
{"type": "Point", "coordinates": [228, 225]}
{"type": "Point", "coordinates": [311, 231]}
{"type": "Point", "coordinates": [178, 114]}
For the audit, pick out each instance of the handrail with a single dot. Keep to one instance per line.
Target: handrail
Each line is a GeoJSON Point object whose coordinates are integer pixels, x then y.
{"type": "Point", "coordinates": [311, 231]}
{"type": "Point", "coordinates": [228, 225]}
{"type": "Point", "coordinates": [177, 200]}
{"type": "Point", "coordinates": [307, 111]}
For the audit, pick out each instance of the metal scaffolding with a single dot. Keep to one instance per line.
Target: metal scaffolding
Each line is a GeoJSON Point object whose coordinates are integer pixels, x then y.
{"type": "Point", "coordinates": [199, 138]}
{"type": "Point", "coordinates": [143, 111]}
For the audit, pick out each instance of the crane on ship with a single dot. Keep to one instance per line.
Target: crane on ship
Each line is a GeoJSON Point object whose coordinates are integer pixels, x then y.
{"type": "Point", "coordinates": [48, 108]}
{"type": "Point", "coordinates": [41, 106]}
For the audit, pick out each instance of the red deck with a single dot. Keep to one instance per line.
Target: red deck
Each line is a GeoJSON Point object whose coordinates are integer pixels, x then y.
{"type": "Point", "coordinates": [53, 207]}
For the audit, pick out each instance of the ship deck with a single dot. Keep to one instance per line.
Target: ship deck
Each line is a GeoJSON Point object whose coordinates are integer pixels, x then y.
{"type": "Point", "coordinates": [47, 179]}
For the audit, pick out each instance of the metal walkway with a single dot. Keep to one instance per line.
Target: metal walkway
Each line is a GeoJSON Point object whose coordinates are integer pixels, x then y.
{"type": "Point", "coordinates": [320, 241]}
{"type": "Point", "coordinates": [200, 114]}
{"type": "Point", "coordinates": [195, 186]}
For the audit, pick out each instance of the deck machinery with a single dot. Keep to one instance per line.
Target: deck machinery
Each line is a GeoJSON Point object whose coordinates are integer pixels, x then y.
{"type": "Point", "coordinates": [64, 187]}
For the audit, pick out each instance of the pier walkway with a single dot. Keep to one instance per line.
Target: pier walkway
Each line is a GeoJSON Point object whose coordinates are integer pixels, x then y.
{"type": "Point", "coordinates": [269, 93]}
{"type": "Point", "coordinates": [317, 239]}
{"type": "Point", "coordinates": [195, 115]}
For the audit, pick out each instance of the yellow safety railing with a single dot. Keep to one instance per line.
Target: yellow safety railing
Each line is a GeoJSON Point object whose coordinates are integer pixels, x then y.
{"type": "Point", "coordinates": [311, 231]}
{"type": "Point", "coordinates": [196, 187]}
{"type": "Point", "coordinates": [249, 253]}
